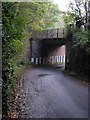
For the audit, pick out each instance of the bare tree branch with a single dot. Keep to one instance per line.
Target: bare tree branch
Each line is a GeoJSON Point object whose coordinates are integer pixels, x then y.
{"type": "Point", "coordinates": [80, 8]}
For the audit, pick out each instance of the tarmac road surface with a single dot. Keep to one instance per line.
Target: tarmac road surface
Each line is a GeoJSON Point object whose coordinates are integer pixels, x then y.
{"type": "Point", "coordinates": [50, 93]}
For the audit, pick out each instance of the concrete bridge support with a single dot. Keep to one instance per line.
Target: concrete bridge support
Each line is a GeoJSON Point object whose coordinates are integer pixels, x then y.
{"type": "Point", "coordinates": [36, 52]}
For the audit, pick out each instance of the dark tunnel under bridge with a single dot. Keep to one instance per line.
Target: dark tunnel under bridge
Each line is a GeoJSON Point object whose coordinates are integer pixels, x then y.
{"type": "Point", "coordinates": [42, 44]}
{"type": "Point", "coordinates": [41, 51]}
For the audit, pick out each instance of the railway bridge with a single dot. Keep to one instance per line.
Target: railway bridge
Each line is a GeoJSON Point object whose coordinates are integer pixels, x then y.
{"type": "Point", "coordinates": [44, 42]}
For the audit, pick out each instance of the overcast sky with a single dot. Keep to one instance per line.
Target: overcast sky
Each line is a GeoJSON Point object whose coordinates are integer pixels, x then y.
{"type": "Point", "coordinates": [62, 4]}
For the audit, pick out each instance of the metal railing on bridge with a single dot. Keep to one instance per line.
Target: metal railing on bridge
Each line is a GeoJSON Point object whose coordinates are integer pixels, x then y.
{"type": "Point", "coordinates": [49, 34]}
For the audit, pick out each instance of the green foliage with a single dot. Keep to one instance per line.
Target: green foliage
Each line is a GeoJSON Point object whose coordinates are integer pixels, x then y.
{"type": "Point", "coordinates": [17, 17]}
{"type": "Point", "coordinates": [42, 15]}
{"type": "Point", "coordinates": [69, 18]}
{"type": "Point", "coordinates": [82, 38]}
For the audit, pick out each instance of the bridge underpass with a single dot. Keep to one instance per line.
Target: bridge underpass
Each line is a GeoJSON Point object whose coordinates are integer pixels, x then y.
{"type": "Point", "coordinates": [52, 50]}
{"type": "Point", "coordinates": [46, 42]}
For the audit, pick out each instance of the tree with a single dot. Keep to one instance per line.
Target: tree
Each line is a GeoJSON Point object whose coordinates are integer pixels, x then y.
{"type": "Point", "coordinates": [69, 18]}
{"type": "Point", "coordinates": [80, 9]}
{"type": "Point", "coordinates": [17, 17]}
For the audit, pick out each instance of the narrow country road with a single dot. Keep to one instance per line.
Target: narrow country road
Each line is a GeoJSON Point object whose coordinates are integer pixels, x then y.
{"type": "Point", "coordinates": [50, 93]}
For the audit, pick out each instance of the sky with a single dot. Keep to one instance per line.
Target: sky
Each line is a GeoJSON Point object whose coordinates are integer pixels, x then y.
{"type": "Point", "coordinates": [62, 4]}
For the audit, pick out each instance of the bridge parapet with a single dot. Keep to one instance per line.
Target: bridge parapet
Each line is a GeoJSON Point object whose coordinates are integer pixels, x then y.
{"type": "Point", "coordinates": [49, 34]}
